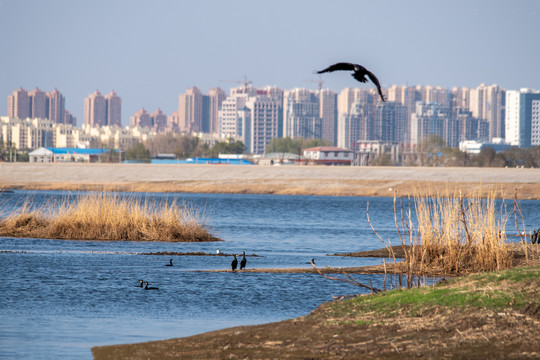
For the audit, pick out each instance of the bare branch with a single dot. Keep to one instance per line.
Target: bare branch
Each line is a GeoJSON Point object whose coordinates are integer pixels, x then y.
{"type": "Point", "coordinates": [350, 280]}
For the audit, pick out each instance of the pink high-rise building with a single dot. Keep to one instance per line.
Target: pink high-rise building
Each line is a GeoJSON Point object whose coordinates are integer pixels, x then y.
{"type": "Point", "coordinates": [19, 104]}
{"type": "Point", "coordinates": [190, 106]}
{"type": "Point", "coordinates": [57, 109]}
{"type": "Point", "coordinates": [141, 119]}
{"type": "Point", "coordinates": [95, 110]}
{"type": "Point", "coordinates": [69, 119]}
{"type": "Point", "coordinates": [102, 110]}
{"type": "Point", "coordinates": [158, 120]}
{"type": "Point", "coordinates": [38, 104]}
{"type": "Point", "coordinates": [114, 109]}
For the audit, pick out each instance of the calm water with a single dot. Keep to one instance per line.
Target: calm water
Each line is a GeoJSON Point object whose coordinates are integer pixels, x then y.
{"type": "Point", "coordinates": [60, 298]}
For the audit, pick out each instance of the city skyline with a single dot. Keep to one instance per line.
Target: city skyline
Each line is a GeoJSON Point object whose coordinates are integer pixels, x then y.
{"type": "Point", "coordinates": [161, 49]}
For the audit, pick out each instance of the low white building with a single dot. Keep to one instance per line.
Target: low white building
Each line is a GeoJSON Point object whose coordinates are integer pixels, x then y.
{"type": "Point", "coordinates": [329, 155]}
{"type": "Point", "coordinates": [51, 155]}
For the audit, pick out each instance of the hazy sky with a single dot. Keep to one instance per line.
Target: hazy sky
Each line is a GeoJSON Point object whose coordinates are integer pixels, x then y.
{"type": "Point", "coordinates": [150, 51]}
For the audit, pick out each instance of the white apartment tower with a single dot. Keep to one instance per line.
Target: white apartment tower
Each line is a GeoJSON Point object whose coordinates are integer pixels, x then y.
{"type": "Point", "coordinates": [522, 118]}
{"type": "Point", "coordinates": [301, 115]}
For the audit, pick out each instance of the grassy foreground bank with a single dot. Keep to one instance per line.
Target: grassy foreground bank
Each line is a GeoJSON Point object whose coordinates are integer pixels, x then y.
{"type": "Point", "coordinates": [492, 315]}
{"type": "Point", "coordinates": [106, 216]}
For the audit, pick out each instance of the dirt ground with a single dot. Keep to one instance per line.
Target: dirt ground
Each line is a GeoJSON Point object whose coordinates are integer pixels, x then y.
{"type": "Point", "coordinates": [283, 180]}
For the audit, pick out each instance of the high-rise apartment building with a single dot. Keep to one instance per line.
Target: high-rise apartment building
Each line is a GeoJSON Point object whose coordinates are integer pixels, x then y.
{"type": "Point", "coordinates": [252, 116]}
{"type": "Point", "coordinates": [19, 104]}
{"type": "Point", "coordinates": [355, 125]}
{"type": "Point", "coordinates": [158, 120]}
{"type": "Point", "coordinates": [68, 119]}
{"type": "Point", "coordinates": [114, 109]}
{"type": "Point", "coordinates": [95, 110]}
{"type": "Point", "coordinates": [391, 122]}
{"type": "Point", "coordinates": [523, 118]}
{"type": "Point", "coordinates": [38, 104]}
{"type": "Point", "coordinates": [433, 119]}
{"type": "Point", "coordinates": [261, 122]}
{"type": "Point", "coordinates": [190, 111]}
{"type": "Point", "coordinates": [328, 114]}
{"type": "Point", "coordinates": [140, 119]}
{"type": "Point", "coordinates": [57, 109]}
{"type": "Point", "coordinates": [229, 116]}
{"type": "Point", "coordinates": [216, 97]}
{"type": "Point", "coordinates": [102, 110]}
{"type": "Point", "coordinates": [488, 103]}
{"type": "Point", "coordinates": [301, 114]}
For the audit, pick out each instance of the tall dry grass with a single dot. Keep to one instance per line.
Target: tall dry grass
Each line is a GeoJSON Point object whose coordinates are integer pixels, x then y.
{"type": "Point", "coordinates": [107, 216]}
{"type": "Point", "coordinates": [459, 235]}
{"type": "Point", "coordinates": [448, 234]}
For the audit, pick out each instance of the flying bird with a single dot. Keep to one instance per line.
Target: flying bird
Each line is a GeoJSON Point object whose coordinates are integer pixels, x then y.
{"type": "Point", "coordinates": [359, 74]}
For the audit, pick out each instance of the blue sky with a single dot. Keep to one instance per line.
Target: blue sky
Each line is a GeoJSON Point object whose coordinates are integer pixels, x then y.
{"type": "Point", "coordinates": [151, 51]}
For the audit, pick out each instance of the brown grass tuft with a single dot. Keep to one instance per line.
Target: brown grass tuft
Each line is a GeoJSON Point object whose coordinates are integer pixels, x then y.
{"type": "Point", "coordinates": [106, 216]}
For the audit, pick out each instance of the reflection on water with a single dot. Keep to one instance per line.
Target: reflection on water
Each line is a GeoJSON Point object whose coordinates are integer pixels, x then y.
{"type": "Point", "coordinates": [59, 298]}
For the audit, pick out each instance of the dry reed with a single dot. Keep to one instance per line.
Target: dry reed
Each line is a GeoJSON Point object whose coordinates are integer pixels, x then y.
{"type": "Point", "coordinates": [456, 235]}
{"type": "Point", "coordinates": [106, 216]}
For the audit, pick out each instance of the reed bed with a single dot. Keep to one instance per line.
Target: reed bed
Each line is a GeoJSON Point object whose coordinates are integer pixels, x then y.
{"type": "Point", "coordinates": [108, 216]}
{"type": "Point", "coordinates": [449, 234]}
{"type": "Point", "coordinates": [459, 235]}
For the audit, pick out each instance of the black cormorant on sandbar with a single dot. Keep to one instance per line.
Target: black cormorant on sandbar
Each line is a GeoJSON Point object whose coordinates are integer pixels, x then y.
{"type": "Point", "coordinates": [244, 261]}
{"type": "Point", "coordinates": [234, 263]}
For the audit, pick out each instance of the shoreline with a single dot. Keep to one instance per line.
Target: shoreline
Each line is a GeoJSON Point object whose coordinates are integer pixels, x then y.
{"type": "Point", "coordinates": [277, 180]}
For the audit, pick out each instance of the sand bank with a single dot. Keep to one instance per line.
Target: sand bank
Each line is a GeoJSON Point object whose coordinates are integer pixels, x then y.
{"type": "Point", "coordinates": [298, 180]}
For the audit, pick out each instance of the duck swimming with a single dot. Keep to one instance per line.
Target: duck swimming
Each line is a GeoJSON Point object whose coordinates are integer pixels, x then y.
{"type": "Point", "coordinates": [149, 288]}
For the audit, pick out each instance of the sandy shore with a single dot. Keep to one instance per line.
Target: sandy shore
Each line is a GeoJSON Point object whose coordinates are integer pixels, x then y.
{"type": "Point", "coordinates": [301, 180]}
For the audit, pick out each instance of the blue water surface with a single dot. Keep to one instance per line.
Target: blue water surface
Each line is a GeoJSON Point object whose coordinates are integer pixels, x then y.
{"type": "Point", "coordinates": [61, 297]}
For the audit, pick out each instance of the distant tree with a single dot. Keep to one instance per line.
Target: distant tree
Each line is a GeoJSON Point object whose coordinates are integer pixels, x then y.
{"type": "Point", "coordinates": [288, 145]}
{"type": "Point", "coordinates": [138, 153]}
{"type": "Point", "coordinates": [455, 157]}
{"type": "Point", "coordinates": [381, 160]}
{"type": "Point", "coordinates": [228, 147]}
{"type": "Point", "coordinates": [182, 146]}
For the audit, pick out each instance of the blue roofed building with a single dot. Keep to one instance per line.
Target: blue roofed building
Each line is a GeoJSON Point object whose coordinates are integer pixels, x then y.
{"type": "Point", "coordinates": [50, 155]}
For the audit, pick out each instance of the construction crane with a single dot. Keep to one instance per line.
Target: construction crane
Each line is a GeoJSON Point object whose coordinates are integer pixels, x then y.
{"type": "Point", "coordinates": [319, 83]}
{"type": "Point", "coordinates": [245, 82]}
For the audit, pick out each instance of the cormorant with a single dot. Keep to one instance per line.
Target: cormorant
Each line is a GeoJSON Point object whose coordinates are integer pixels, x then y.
{"type": "Point", "coordinates": [244, 261]}
{"type": "Point", "coordinates": [170, 263]}
{"type": "Point", "coordinates": [234, 263]}
{"type": "Point", "coordinates": [359, 74]}
{"type": "Point", "coordinates": [149, 288]}
{"type": "Point", "coordinates": [534, 236]}
{"type": "Point", "coordinates": [312, 261]}
{"type": "Point", "coordinates": [140, 284]}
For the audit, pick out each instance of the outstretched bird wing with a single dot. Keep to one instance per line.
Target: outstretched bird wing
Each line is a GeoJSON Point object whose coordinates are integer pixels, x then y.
{"type": "Point", "coordinates": [338, 66]}
{"type": "Point", "coordinates": [374, 79]}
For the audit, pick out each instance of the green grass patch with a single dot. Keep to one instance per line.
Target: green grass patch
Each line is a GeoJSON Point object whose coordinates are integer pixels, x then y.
{"type": "Point", "coordinates": [513, 288]}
